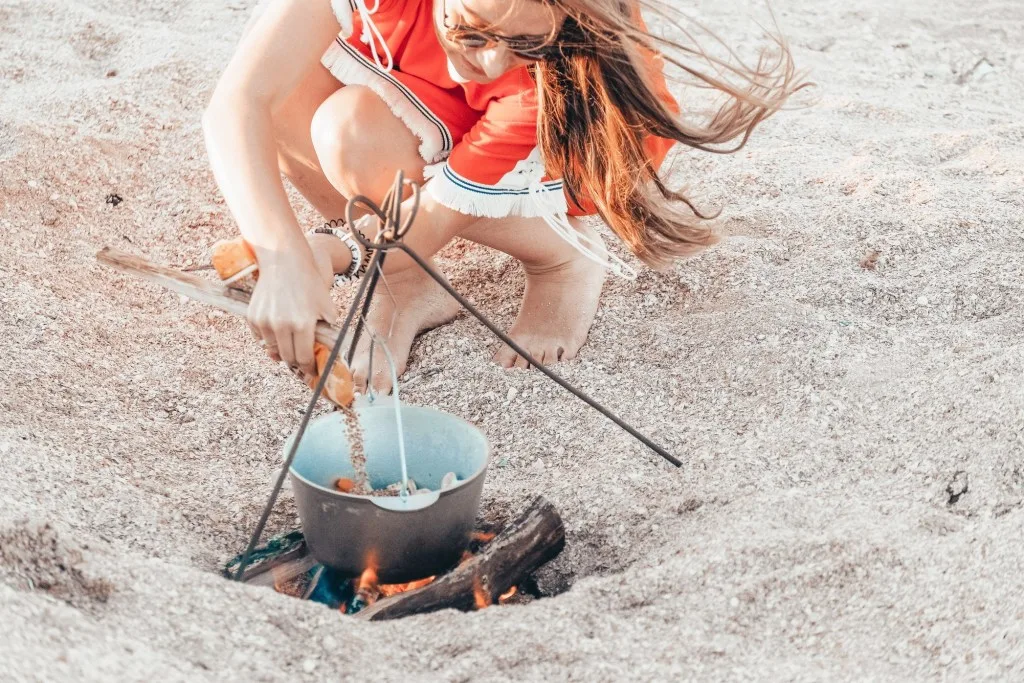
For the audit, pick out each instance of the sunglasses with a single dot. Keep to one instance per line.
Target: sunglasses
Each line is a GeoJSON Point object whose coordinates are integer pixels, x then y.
{"type": "Point", "coordinates": [534, 48]}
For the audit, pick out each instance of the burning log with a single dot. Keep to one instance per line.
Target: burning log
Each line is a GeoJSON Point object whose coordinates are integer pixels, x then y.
{"type": "Point", "coordinates": [524, 546]}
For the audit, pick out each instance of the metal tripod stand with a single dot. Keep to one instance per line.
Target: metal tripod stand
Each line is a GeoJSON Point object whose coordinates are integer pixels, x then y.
{"type": "Point", "coordinates": [390, 237]}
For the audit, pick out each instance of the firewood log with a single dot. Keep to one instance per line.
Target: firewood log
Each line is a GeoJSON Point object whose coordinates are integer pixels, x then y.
{"type": "Point", "coordinates": [533, 539]}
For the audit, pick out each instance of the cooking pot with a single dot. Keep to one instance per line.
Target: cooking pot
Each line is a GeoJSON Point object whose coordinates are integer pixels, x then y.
{"type": "Point", "coordinates": [403, 538]}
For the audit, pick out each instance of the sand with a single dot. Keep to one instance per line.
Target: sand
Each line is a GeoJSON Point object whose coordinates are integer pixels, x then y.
{"type": "Point", "coordinates": [852, 496]}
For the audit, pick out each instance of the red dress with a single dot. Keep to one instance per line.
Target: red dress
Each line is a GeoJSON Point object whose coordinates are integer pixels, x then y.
{"type": "Point", "coordinates": [479, 140]}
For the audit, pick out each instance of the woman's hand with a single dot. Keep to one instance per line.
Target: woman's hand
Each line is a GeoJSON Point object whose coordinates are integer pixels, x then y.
{"type": "Point", "coordinates": [292, 292]}
{"type": "Point", "coordinates": [291, 295]}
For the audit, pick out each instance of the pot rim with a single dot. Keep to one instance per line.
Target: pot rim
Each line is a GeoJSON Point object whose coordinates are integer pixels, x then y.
{"type": "Point", "coordinates": [369, 499]}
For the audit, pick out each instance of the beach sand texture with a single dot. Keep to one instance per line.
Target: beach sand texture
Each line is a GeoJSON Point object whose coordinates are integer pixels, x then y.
{"type": "Point", "coordinates": [842, 378]}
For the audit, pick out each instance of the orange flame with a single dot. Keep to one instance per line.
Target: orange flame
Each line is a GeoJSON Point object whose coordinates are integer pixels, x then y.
{"type": "Point", "coordinates": [387, 590]}
{"type": "Point", "coordinates": [481, 598]}
{"type": "Point", "coordinates": [368, 579]}
{"type": "Point", "coordinates": [279, 579]}
{"type": "Point", "coordinates": [368, 589]}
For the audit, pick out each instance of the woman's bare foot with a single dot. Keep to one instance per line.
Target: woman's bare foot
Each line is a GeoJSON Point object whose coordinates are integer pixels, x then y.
{"type": "Point", "coordinates": [418, 304]}
{"type": "Point", "coordinates": [558, 309]}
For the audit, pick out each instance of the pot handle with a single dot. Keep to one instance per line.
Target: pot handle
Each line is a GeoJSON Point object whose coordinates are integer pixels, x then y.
{"type": "Point", "coordinates": [409, 503]}
{"type": "Point", "coordinates": [404, 491]}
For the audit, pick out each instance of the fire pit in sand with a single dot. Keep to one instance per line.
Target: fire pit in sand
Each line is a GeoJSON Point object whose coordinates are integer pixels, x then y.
{"type": "Point", "coordinates": [496, 568]}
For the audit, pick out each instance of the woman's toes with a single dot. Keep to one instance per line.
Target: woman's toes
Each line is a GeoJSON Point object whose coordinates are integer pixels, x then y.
{"type": "Point", "coordinates": [381, 380]}
{"type": "Point", "coordinates": [521, 363]}
{"type": "Point", "coordinates": [505, 356]}
{"type": "Point", "coordinates": [540, 354]}
{"type": "Point", "coordinates": [544, 355]}
{"type": "Point", "coordinates": [552, 355]}
{"type": "Point", "coordinates": [382, 383]}
{"type": "Point", "coordinates": [359, 380]}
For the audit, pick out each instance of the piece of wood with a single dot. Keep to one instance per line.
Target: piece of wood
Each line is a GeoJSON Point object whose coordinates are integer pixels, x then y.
{"type": "Point", "coordinates": [524, 546]}
{"type": "Point", "coordinates": [209, 292]}
{"type": "Point", "coordinates": [339, 389]}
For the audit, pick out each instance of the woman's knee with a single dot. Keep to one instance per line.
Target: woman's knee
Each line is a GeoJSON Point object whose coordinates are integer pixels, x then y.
{"type": "Point", "coordinates": [361, 144]}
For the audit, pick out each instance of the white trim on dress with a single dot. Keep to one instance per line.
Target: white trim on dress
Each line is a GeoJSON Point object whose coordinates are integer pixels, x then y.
{"type": "Point", "coordinates": [351, 67]}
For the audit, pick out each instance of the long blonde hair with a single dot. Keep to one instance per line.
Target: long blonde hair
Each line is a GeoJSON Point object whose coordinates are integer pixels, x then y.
{"type": "Point", "coordinates": [600, 101]}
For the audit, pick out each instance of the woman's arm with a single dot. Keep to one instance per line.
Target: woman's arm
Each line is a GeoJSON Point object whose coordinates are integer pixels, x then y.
{"type": "Point", "coordinates": [270, 61]}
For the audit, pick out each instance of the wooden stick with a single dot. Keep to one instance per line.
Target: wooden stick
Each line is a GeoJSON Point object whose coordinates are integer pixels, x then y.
{"type": "Point", "coordinates": [216, 294]}
{"type": "Point", "coordinates": [529, 542]}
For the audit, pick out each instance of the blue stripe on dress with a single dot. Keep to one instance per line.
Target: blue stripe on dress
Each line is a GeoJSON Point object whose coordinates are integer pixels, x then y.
{"type": "Point", "coordinates": [446, 135]}
{"type": "Point", "coordinates": [466, 184]}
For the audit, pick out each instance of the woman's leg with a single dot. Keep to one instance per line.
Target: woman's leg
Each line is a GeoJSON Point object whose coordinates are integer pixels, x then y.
{"type": "Point", "coordinates": [296, 152]}
{"type": "Point", "coordinates": [563, 288]}
{"type": "Point", "coordinates": [359, 146]}
{"type": "Point", "coordinates": [335, 142]}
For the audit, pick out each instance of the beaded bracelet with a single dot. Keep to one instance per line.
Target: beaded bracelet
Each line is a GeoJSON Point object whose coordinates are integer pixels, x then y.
{"type": "Point", "coordinates": [360, 260]}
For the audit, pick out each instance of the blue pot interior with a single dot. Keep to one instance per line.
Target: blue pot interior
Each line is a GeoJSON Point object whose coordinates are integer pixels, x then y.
{"type": "Point", "coordinates": [435, 443]}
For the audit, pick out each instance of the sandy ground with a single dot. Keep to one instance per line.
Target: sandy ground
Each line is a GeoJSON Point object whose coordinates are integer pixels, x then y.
{"type": "Point", "coordinates": [850, 506]}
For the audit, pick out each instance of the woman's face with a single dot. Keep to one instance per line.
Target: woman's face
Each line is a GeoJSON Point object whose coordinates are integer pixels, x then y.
{"type": "Point", "coordinates": [516, 19]}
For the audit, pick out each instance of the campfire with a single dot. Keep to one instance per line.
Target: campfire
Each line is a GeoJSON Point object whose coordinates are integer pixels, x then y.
{"type": "Point", "coordinates": [368, 590]}
{"type": "Point", "coordinates": [496, 568]}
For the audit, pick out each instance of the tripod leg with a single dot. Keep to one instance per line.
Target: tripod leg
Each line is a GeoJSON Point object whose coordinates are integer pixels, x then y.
{"type": "Point", "coordinates": [317, 393]}
{"type": "Point", "coordinates": [374, 280]}
{"type": "Point", "coordinates": [525, 354]}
